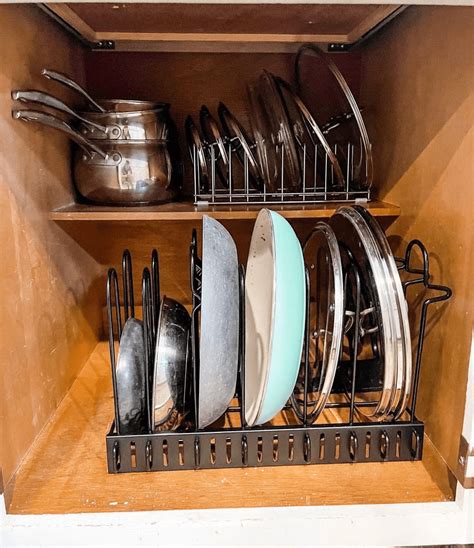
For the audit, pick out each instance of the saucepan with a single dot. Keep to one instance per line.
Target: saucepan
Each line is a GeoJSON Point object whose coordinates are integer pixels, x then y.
{"type": "Point", "coordinates": [129, 172]}
{"type": "Point", "coordinates": [151, 124]}
{"type": "Point", "coordinates": [103, 105]}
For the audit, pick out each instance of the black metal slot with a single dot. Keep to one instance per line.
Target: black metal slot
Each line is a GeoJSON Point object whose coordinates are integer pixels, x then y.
{"type": "Point", "coordinates": [322, 447]}
{"type": "Point", "coordinates": [181, 452]}
{"type": "Point", "coordinates": [291, 447]}
{"type": "Point", "coordinates": [415, 445]}
{"type": "Point", "coordinates": [275, 449]}
{"type": "Point", "coordinates": [337, 446]}
{"type": "Point", "coordinates": [384, 445]}
{"type": "Point", "coordinates": [228, 450]}
{"type": "Point", "coordinates": [116, 457]}
{"type": "Point", "coordinates": [307, 448]}
{"type": "Point", "coordinates": [353, 446]}
{"type": "Point", "coordinates": [197, 452]}
{"type": "Point", "coordinates": [398, 442]}
{"type": "Point", "coordinates": [212, 450]}
{"type": "Point", "coordinates": [165, 453]}
{"type": "Point", "coordinates": [133, 455]}
{"type": "Point", "coordinates": [149, 455]}
{"type": "Point", "coordinates": [245, 451]}
{"type": "Point", "coordinates": [367, 445]}
{"type": "Point", "coordinates": [259, 449]}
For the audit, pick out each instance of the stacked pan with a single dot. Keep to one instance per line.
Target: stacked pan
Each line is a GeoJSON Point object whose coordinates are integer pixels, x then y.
{"type": "Point", "coordinates": [126, 150]}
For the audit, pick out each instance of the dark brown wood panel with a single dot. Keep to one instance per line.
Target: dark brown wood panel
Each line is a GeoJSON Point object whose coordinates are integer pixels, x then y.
{"type": "Point", "coordinates": [223, 18]}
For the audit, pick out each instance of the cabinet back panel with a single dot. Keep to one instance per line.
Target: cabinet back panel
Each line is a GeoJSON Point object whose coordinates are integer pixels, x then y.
{"type": "Point", "coordinates": [48, 292]}
{"type": "Point", "coordinates": [418, 82]}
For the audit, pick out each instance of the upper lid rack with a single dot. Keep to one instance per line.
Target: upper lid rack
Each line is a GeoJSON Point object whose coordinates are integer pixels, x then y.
{"type": "Point", "coordinates": [210, 27]}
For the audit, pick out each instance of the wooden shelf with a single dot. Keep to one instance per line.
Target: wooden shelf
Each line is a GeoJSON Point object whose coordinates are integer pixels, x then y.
{"type": "Point", "coordinates": [186, 211]}
{"type": "Point", "coordinates": [225, 27]}
{"type": "Point", "coordinates": [65, 472]}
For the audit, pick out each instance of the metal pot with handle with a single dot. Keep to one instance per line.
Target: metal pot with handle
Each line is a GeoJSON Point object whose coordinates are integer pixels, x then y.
{"type": "Point", "coordinates": [115, 172]}
{"type": "Point", "coordinates": [136, 125]}
{"type": "Point", "coordinates": [101, 105]}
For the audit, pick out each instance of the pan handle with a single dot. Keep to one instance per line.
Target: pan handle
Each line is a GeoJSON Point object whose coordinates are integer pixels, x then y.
{"type": "Point", "coordinates": [50, 101]}
{"type": "Point", "coordinates": [65, 80]}
{"type": "Point", "coordinates": [56, 123]}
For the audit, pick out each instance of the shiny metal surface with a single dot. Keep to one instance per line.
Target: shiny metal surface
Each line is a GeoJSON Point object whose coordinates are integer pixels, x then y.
{"type": "Point", "coordinates": [56, 123]}
{"type": "Point", "coordinates": [243, 145]}
{"type": "Point", "coordinates": [44, 99]}
{"type": "Point", "coordinates": [69, 82]}
{"type": "Point", "coordinates": [281, 132]}
{"type": "Point", "coordinates": [219, 344]}
{"type": "Point", "coordinates": [405, 366]}
{"type": "Point", "coordinates": [138, 125]}
{"type": "Point", "coordinates": [367, 178]}
{"type": "Point", "coordinates": [130, 373]}
{"type": "Point", "coordinates": [171, 365]}
{"type": "Point", "coordinates": [353, 233]}
{"type": "Point", "coordinates": [322, 255]}
{"type": "Point", "coordinates": [196, 148]}
{"type": "Point", "coordinates": [127, 105]}
{"type": "Point", "coordinates": [116, 172]}
{"type": "Point", "coordinates": [266, 145]}
{"type": "Point", "coordinates": [212, 134]}
{"type": "Point", "coordinates": [134, 172]}
{"type": "Point", "coordinates": [314, 132]}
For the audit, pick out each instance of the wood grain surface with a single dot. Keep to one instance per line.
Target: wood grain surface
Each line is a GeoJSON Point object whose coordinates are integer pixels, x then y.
{"type": "Point", "coordinates": [294, 19]}
{"type": "Point", "coordinates": [66, 470]}
{"type": "Point", "coordinates": [48, 290]}
{"type": "Point", "coordinates": [105, 241]}
{"type": "Point", "coordinates": [418, 83]}
{"type": "Point", "coordinates": [187, 211]}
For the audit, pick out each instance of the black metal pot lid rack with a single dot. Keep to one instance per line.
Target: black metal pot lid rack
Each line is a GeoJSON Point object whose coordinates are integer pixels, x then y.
{"type": "Point", "coordinates": [296, 443]}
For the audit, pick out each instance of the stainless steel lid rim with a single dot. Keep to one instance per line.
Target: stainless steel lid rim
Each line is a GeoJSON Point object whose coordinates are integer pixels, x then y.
{"type": "Point", "coordinates": [368, 243]}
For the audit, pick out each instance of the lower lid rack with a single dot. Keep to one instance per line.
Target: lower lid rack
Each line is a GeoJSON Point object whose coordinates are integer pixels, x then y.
{"type": "Point", "coordinates": [297, 443]}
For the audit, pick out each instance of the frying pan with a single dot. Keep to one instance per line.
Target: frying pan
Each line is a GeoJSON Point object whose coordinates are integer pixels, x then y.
{"type": "Point", "coordinates": [219, 344]}
{"type": "Point", "coordinates": [275, 303]}
{"type": "Point", "coordinates": [131, 391]}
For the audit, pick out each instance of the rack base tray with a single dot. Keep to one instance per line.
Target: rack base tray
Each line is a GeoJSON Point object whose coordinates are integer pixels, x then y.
{"type": "Point", "coordinates": [65, 472]}
{"type": "Point", "coordinates": [275, 446]}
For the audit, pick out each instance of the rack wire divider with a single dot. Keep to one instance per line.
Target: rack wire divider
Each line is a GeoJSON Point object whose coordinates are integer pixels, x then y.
{"type": "Point", "coordinates": [302, 441]}
{"type": "Point", "coordinates": [232, 184]}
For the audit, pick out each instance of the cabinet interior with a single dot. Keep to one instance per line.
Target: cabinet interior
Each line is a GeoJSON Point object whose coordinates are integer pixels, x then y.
{"type": "Point", "coordinates": [415, 82]}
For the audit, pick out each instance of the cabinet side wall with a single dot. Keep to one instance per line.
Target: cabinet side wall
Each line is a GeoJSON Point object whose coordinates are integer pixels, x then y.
{"type": "Point", "coordinates": [49, 315]}
{"type": "Point", "coordinates": [417, 86]}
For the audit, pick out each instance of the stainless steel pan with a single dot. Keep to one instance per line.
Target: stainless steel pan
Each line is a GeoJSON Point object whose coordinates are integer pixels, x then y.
{"type": "Point", "coordinates": [137, 125]}
{"type": "Point", "coordinates": [47, 100]}
{"type": "Point", "coordinates": [171, 375]}
{"type": "Point", "coordinates": [127, 105]}
{"type": "Point", "coordinates": [116, 172]}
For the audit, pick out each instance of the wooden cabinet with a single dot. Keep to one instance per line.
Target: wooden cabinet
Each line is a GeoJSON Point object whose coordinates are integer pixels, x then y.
{"type": "Point", "coordinates": [414, 77]}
